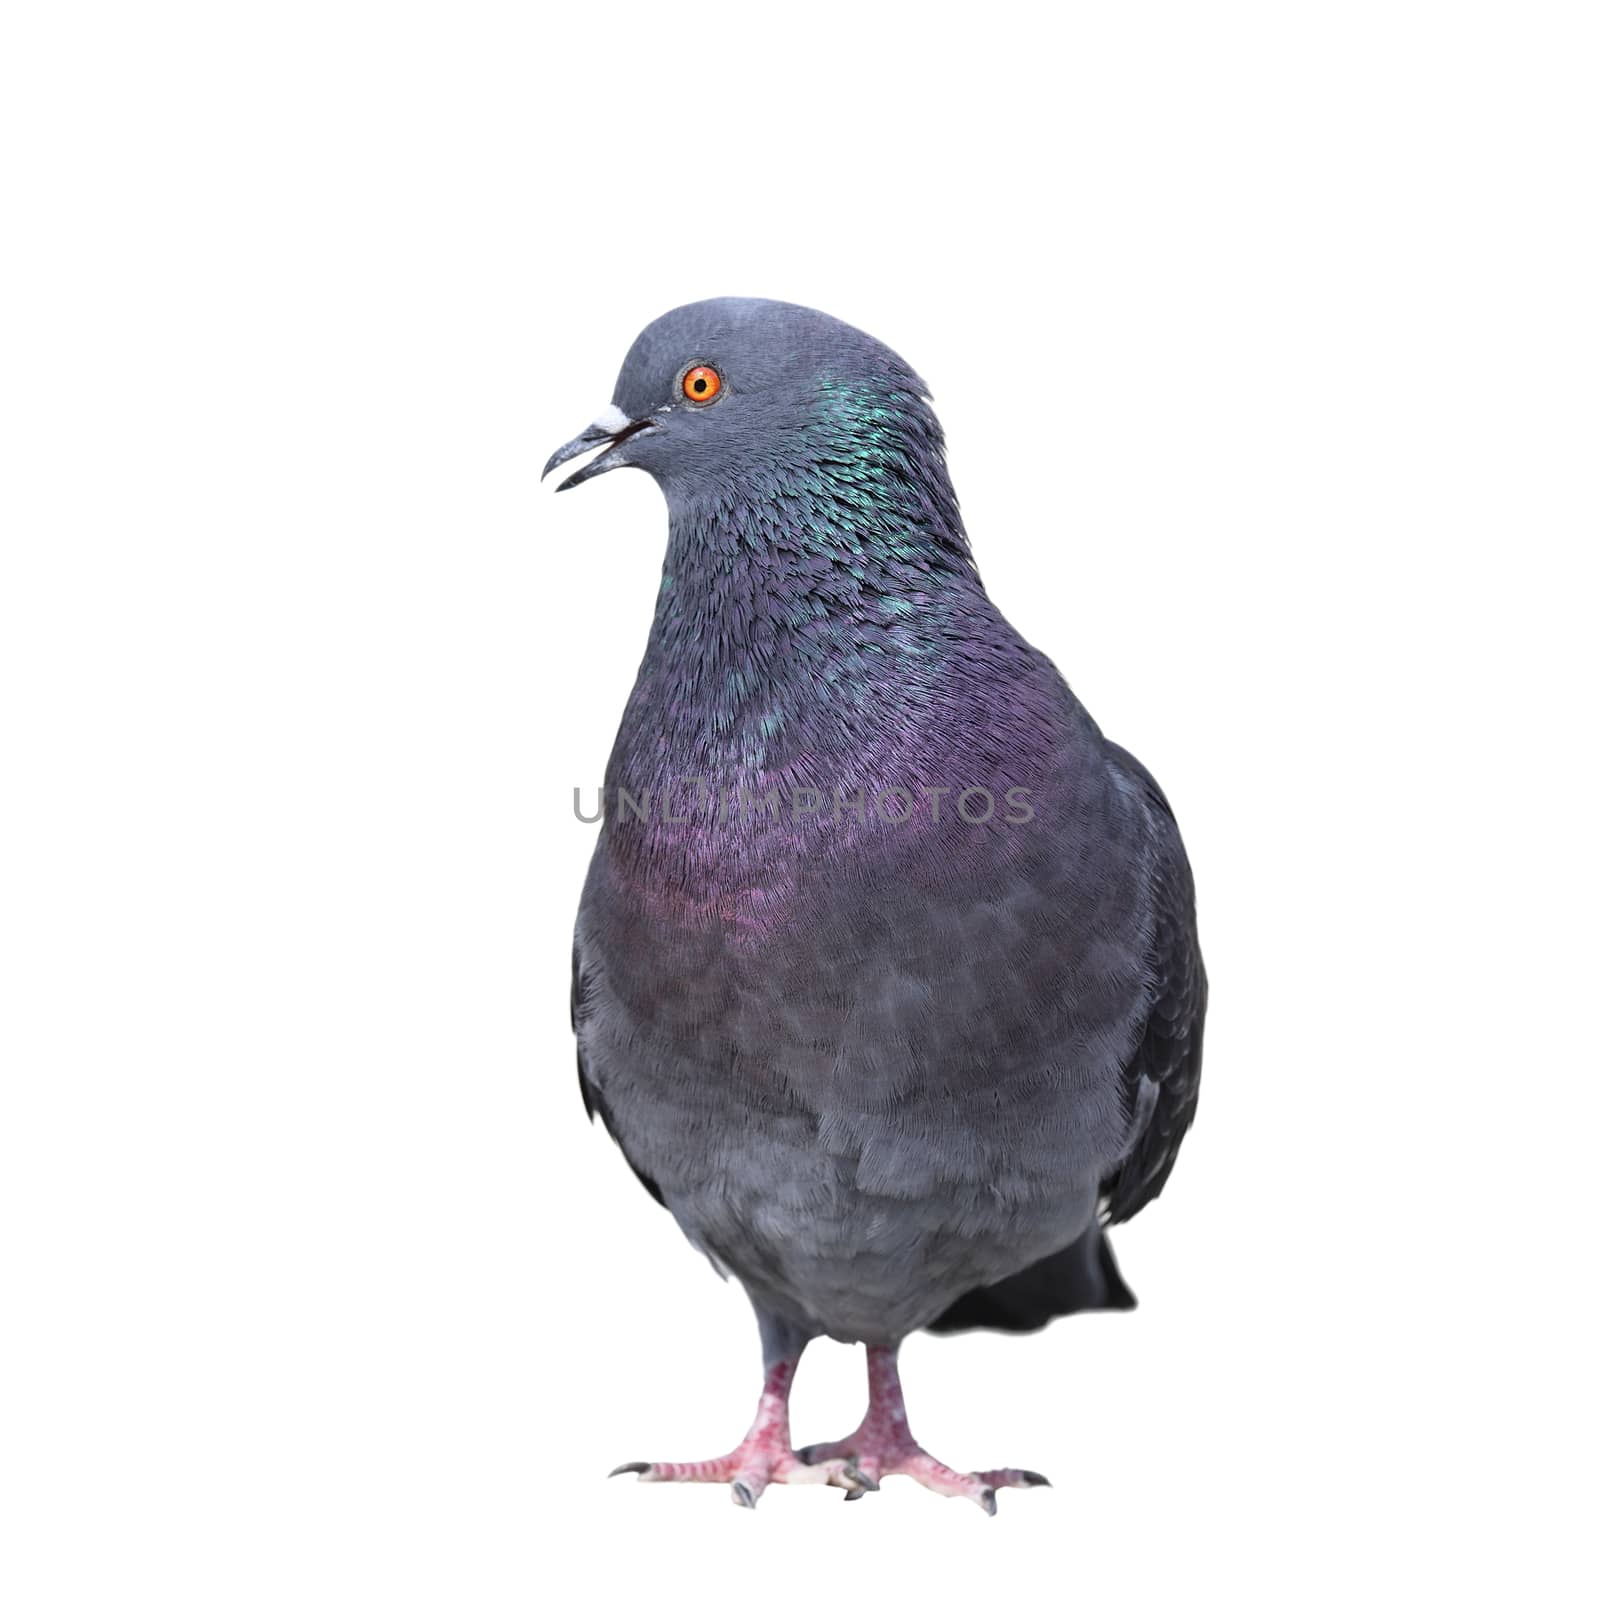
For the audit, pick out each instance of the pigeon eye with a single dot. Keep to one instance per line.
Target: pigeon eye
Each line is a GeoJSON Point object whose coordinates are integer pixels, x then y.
{"type": "Point", "coordinates": [701, 384]}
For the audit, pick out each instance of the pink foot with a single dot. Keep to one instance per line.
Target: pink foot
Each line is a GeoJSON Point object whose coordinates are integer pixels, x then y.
{"type": "Point", "coordinates": [883, 1445]}
{"type": "Point", "coordinates": [763, 1456]}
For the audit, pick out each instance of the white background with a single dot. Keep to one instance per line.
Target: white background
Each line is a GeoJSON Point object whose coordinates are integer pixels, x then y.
{"type": "Point", "coordinates": [1265, 339]}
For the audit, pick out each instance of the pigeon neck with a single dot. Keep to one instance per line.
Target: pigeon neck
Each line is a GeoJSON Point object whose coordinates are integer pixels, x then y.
{"type": "Point", "coordinates": [781, 636]}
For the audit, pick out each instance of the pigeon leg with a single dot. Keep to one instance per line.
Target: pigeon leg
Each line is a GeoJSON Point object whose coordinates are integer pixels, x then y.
{"type": "Point", "coordinates": [883, 1444]}
{"type": "Point", "coordinates": [763, 1456]}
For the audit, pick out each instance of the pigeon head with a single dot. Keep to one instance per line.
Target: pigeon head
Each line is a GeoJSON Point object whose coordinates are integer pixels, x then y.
{"type": "Point", "coordinates": [736, 402]}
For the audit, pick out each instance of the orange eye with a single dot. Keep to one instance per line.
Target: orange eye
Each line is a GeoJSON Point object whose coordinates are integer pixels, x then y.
{"type": "Point", "coordinates": [701, 384]}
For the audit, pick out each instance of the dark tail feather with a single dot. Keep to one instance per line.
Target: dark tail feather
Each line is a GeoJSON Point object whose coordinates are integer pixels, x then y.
{"type": "Point", "coordinates": [1083, 1277]}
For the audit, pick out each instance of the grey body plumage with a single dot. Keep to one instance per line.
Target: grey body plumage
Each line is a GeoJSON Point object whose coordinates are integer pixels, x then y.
{"type": "Point", "coordinates": [915, 1089]}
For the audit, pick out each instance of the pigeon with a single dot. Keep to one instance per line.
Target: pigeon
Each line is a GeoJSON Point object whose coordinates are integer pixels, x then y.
{"type": "Point", "coordinates": [886, 978]}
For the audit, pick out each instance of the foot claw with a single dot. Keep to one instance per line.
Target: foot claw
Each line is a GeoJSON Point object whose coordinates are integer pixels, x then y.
{"type": "Point", "coordinates": [988, 1501]}
{"type": "Point", "coordinates": [641, 1467]}
{"type": "Point", "coordinates": [1034, 1480]}
{"type": "Point", "coordinates": [857, 1493]}
{"type": "Point", "coordinates": [864, 1481]}
{"type": "Point", "coordinates": [743, 1494]}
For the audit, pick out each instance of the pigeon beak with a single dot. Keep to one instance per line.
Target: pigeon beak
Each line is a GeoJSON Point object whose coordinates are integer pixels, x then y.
{"type": "Point", "coordinates": [613, 428]}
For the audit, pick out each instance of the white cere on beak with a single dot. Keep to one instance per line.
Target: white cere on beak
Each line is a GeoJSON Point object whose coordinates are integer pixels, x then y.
{"type": "Point", "coordinates": [613, 419]}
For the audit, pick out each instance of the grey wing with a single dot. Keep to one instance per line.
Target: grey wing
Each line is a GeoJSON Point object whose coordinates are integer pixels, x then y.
{"type": "Point", "coordinates": [1160, 1087]}
{"type": "Point", "coordinates": [1161, 1079]}
{"type": "Point", "coordinates": [593, 1101]}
